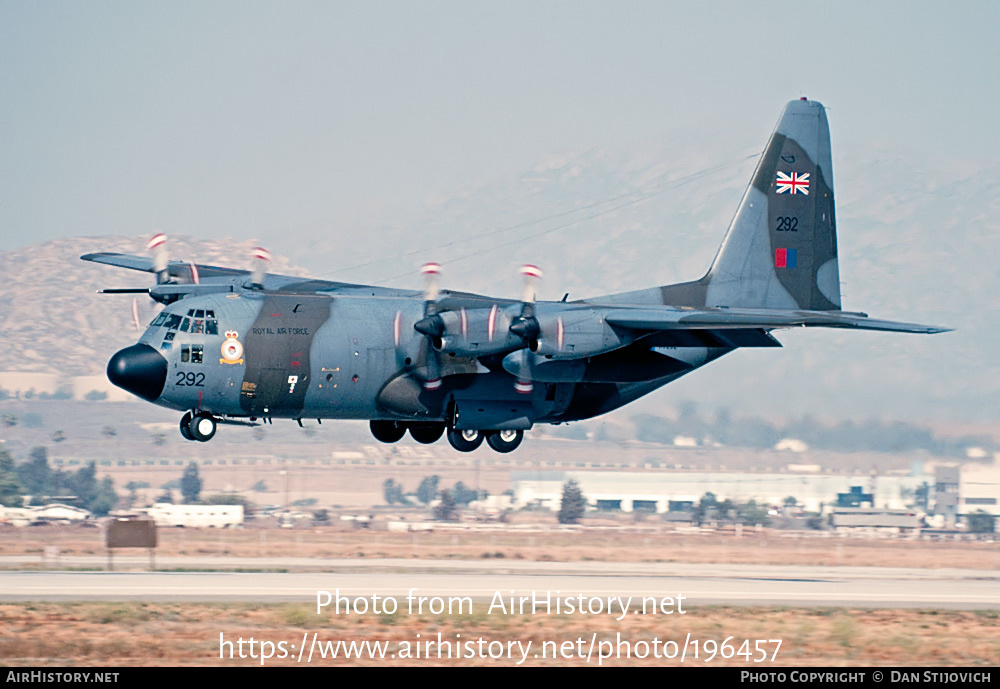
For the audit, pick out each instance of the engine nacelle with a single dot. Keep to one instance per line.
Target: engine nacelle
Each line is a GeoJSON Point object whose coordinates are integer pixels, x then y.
{"type": "Point", "coordinates": [575, 334]}
{"type": "Point", "coordinates": [477, 332]}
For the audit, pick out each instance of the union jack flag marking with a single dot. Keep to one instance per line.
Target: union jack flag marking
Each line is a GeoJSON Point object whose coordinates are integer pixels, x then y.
{"type": "Point", "coordinates": [793, 183]}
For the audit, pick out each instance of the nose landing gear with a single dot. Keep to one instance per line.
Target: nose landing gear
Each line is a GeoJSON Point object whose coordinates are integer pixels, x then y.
{"type": "Point", "coordinates": [200, 426]}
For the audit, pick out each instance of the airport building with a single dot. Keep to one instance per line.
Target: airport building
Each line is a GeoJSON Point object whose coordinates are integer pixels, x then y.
{"type": "Point", "coordinates": [979, 489]}
{"type": "Point", "coordinates": [679, 491]}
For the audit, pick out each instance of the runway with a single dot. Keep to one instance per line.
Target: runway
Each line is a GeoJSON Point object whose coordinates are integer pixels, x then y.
{"type": "Point", "coordinates": [696, 584]}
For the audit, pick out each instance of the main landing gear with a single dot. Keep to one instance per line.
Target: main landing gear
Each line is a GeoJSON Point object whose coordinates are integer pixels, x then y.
{"type": "Point", "coordinates": [430, 432]}
{"type": "Point", "coordinates": [198, 426]}
{"type": "Point", "coordinates": [465, 441]}
{"type": "Point", "coordinates": [505, 441]}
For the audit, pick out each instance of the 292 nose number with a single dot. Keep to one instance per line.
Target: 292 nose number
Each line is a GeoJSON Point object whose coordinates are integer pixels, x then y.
{"type": "Point", "coordinates": [190, 379]}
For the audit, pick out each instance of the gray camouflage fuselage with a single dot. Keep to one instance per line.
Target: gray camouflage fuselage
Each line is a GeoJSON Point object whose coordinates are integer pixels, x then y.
{"type": "Point", "coordinates": [311, 355]}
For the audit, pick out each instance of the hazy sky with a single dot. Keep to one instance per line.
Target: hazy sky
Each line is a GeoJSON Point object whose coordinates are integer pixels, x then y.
{"type": "Point", "coordinates": [340, 133]}
{"type": "Point", "coordinates": [286, 120]}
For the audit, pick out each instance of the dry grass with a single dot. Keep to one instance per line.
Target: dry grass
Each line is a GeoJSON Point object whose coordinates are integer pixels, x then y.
{"type": "Point", "coordinates": [156, 634]}
{"type": "Point", "coordinates": [618, 545]}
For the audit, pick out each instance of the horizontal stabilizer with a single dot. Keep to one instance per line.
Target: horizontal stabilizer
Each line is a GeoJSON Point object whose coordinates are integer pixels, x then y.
{"type": "Point", "coordinates": [698, 319]}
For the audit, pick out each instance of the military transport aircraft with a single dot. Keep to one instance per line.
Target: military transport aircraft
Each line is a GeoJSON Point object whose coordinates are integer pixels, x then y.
{"type": "Point", "coordinates": [243, 346]}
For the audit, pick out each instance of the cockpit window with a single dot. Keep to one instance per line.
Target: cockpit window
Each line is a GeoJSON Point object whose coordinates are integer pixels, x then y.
{"type": "Point", "coordinates": [193, 354]}
{"type": "Point", "coordinates": [197, 322]}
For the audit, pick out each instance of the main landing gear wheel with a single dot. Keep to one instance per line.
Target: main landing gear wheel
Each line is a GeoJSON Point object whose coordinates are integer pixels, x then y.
{"type": "Point", "coordinates": [387, 431]}
{"type": "Point", "coordinates": [505, 441]}
{"type": "Point", "coordinates": [426, 433]}
{"type": "Point", "coordinates": [465, 441]}
{"type": "Point", "coordinates": [200, 426]}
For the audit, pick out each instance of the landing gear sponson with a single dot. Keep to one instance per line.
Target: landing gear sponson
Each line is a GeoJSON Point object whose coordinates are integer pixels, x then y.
{"type": "Point", "coordinates": [430, 432]}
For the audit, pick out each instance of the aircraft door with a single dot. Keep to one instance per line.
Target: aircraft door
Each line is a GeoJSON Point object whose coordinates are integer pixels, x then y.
{"type": "Point", "coordinates": [272, 393]}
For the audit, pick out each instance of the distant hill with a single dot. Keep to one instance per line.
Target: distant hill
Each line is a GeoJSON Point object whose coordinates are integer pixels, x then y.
{"type": "Point", "coordinates": [53, 320]}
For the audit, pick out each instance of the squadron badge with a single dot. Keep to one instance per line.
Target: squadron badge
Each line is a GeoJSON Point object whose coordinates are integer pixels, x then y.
{"type": "Point", "coordinates": [232, 350]}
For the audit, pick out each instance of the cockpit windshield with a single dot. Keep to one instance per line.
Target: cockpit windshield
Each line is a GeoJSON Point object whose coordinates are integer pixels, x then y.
{"type": "Point", "coordinates": [196, 322]}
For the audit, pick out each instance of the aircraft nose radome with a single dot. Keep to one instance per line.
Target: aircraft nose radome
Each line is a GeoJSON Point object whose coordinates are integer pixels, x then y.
{"type": "Point", "coordinates": [140, 369]}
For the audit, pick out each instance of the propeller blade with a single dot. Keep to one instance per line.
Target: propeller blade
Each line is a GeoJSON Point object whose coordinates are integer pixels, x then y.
{"type": "Point", "coordinates": [432, 380]}
{"type": "Point", "coordinates": [157, 246]}
{"type": "Point", "coordinates": [431, 326]}
{"type": "Point", "coordinates": [521, 361]}
{"type": "Point", "coordinates": [431, 272]}
{"type": "Point", "coordinates": [261, 257]}
{"type": "Point", "coordinates": [135, 313]}
{"type": "Point", "coordinates": [532, 275]}
{"type": "Point", "coordinates": [526, 326]}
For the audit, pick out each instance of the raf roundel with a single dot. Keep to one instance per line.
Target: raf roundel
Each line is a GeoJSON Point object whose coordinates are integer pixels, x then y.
{"type": "Point", "coordinates": [232, 350]}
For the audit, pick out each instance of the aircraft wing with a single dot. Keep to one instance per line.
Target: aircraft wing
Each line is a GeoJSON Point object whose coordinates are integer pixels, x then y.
{"type": "Point", "coordinates": [176, 269]}
{"type": "Point", "coordinates": [726, 318]}
{"type": "Point", "coordinates": [183, 274]}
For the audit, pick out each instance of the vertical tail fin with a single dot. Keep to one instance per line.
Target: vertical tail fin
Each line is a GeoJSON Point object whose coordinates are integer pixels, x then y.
{"type": "Point", "coordinates": [781, 249]}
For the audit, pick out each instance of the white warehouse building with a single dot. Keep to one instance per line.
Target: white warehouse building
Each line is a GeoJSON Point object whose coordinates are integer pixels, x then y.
{"type": "Point", "coordinates": [211, 516]}
{"type": "Point", "coordinates": [674, 491]}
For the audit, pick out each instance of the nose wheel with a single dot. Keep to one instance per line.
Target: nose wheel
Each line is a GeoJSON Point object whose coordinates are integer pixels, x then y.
{"type": "Point", "coordinates": [198, 426]}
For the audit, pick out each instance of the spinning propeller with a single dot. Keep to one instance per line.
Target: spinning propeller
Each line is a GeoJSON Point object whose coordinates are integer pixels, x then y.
{"type": "Point", "coordinates": [157, 248]}
{"type": "Point", "coordinates": [431, 326]}
{"type": "Point", "coordinates": [472, 333]}
{"type": "Point", "coordinates": [526, 326]}
{"type": "Point", "coordinates": [432, 379]}
{"type": "Point", "coordinates": [168, 275]}
{"type": "Point", "coordinates": [261, 257]}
